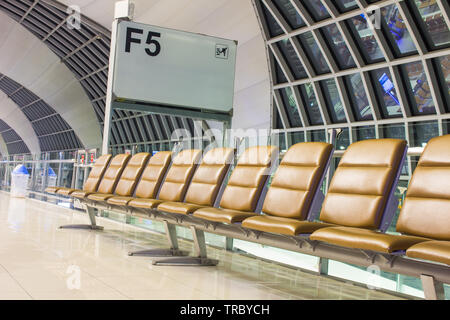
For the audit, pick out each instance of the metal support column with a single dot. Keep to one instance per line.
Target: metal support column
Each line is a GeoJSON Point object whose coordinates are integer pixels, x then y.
{"type": "Point", "coordinates": [200, 258]}
{"type": "Point", "coordinates": [93, 226]}
{"type": "Point", "coordinates": [433, 290]}
{"type": "Point", "coordinates": [323, 266]}
{"type": "Point", "coordinates": [229, 244]}
{"type": "Point", "coordinates": [109, 89]}
{"type": "Point", "coordinates": [173, 251]}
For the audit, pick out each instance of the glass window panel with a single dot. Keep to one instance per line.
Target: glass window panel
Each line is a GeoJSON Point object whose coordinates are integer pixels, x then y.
{"type": "Point", "coordinates": [291, 107]}
{"type": "Point", "coordinates": [279, 139]}
{"type": "Point", "coordinates": [343, 139]}
{"type": "Point", "coordinates": [442, 68]}
{"type": "Point", "coordinates": [365, 39]}
{"type": "Point", "coordinates": [279, 74]}
{"type": "Point", "coordinates": [310, 103]}
{"type": "Point", "coordinates": [394, 131]}
{"type": "Point", "coordinates": [290, 13]}
{"type": "Point", "coordinates": [395, 30]}
{"type": "Point", "coordinates": [276, 114]}
{"type": "Point", "coordinates": [296, 137]}
{"type": "Point", "coordinates": [292, 59]}
{"type": "Point", "coordinates": [364, 133]}
{"type": "Point", "coordinates": [313, 52]}
{"type": "Point", "coordinates": [419, 92]}
{"type": "Point", "coordinates": [421, 132]}
{"type": "Point", "coordinates": [318, 136]}
{"type": "Point", "coordinates": [272, 24]}
{"type": "Point", "coordinates": [346, 5]}
{"type": "Point", "coordinates": [334, 104]}
{"type": "Point", "coordinates": [358, 97]}
{"type": "Point", "coordinates": [386, 94]}
{"type": "Point", "coordinates": [316, 9]}
{"type": "Point", "coordinates": [431, 22]}
{"type": "Point", "coordinates": [338, 47]}
{"type": "Point", "coordinates": [446, 126]}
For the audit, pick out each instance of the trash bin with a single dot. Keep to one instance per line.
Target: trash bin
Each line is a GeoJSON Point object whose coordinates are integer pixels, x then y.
{"type": "Point", "coordinates": [19, 181]}
{"type": "Point", "coordinates": [52, 177]}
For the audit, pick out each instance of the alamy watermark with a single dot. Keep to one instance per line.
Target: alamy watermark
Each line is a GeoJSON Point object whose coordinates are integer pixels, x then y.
{"type": "Point", "coordinates": [73, 281]}
{"type": "Point", "coordinates": [374, 15]}
{"type": "Point", "coordinates": [74, 17]}
{"type": "Point", "coordinates": [374, 279]}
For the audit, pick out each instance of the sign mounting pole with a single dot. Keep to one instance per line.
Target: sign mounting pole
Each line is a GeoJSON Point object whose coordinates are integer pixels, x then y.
{"type": "Point", "coordinates": [123, 11]}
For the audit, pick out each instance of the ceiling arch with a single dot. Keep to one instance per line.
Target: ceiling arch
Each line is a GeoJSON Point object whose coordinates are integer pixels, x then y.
{"type": "Point", "coordinates": [11, 115]}
{"type": "Point", "coordinates": [10, 141]}
{"type": "Point", "coordinates": [52, 131]}
{"type": "Point", "coordinates": [46, 86]}
{"type": "Point", "coordinates": [85, 52]}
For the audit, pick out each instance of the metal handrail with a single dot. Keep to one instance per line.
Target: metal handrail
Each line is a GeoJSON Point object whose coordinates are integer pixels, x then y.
{"type": "Point", "coordinates": [39, 161]}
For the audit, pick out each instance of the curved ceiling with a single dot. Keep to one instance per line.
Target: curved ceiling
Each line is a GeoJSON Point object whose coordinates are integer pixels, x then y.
{"type": "Point", "coordinates": [52, 131]}
{"type": "Point", "coordinates": [11, 115]}
{"type": "Point", "coordinates": [10, 141]}
{"type": "Point", "coordinates": [85, 52]}
{"type": "Point", "coordinates": [55, 102]}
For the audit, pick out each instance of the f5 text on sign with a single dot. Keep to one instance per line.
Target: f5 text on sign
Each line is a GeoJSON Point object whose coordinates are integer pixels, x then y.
{"type": "Point", "coordinates": [154, 46]}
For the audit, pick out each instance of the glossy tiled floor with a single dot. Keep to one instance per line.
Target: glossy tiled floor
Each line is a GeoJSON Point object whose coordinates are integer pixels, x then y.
{"type": "Point", "coordinates": [40, 261]}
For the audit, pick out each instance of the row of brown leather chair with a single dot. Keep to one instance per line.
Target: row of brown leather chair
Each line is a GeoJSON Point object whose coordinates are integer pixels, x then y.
{"type": "Point", "coordinates": [351, 214]}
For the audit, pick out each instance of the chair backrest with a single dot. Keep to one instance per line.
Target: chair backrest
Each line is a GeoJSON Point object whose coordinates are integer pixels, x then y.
{"type": "Point", "coordinates": [363, 183]}
{"type": "Point", "coordinates": [113, 173]}
{"type": "Point", "coordinates": [153, 175]}
{"type": "Point", "coordinates": [426, 210]}
{"type": "Point", "coordinates": [131, 174]}
{"type": "Point", "coordinates": [209, 176]}
{"type": "Point", "coordinates": [297, 180]}
{"type": "Point", "coordinates": [179, 175]}
{"type": "Point", "coordinates": [248, 178]}
{"type": "Point", "coordinates": [96, 174]}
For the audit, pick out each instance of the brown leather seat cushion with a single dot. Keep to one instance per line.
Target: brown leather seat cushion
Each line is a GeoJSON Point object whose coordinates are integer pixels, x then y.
{"type": "Point", "coordinates": [113, 173]}
{"type": "Point", "coordinates": [179, 175]}
{"type": "Point", "coordinates": [438, 251]}
{"type": "Point", "coordinates": [119, 201]}
{"type": "Point", "coordinates": [80, 194]}
{"type": "Point", "coordinates": [365, 239]}
{"type": "Point", "coordinates": [97, 172]}
{"type": "Point", "coordinates": [360, 187]}
{"type": "Point", "coordinates": [144, 203]}
{"type": "Point", "coordinates": [66, 191]}
{"type": "Point", "coordinates": [179, 207]}
{"type": "Point", "coordinates": [282, 225]}
{"type": "Point", "coordinates": [131, 174]}
{"type": "Point", "coordinates": [209, 176]}
{"type": "Point", "coordinates": [296, 180]}
{"type": "Point", "coordinates": [248, 178]}
{"type": "Point", "coordinates": [426, 211]}
{"type": "Point", "coordinates": [52, 189]}
{"type": "Point", "coordinates": [100, 196]}
{"type": "Point", "coordinates": [222, 215]}
{"type": "Point", "coordinates": [153, 175]}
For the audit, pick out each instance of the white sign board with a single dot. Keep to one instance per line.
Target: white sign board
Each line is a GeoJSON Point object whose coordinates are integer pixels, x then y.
{"type": "Point", "coordinates": [174, 68]}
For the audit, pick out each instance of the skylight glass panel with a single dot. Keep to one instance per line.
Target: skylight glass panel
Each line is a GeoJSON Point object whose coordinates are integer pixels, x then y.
{"type": "Point", "coordinates": [289, 13]}
{"type": "Point", "coordinates": [338, 47]}
{"type": "Point", "coordinates": [292, 59]}
{"type": "Point", "coordinates": [313, 52]}
{"type": "Point", "coordinates": [363, 34]}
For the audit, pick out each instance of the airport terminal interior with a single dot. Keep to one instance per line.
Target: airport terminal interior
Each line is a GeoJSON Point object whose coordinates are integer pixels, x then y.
{"type": "Point", "coordinates": [224, 150]}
